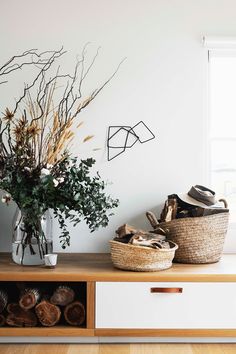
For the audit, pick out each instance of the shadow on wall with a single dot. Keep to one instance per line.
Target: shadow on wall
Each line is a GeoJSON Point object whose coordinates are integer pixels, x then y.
{"type": "Point", "coordinates": [6, 216]}
{"type": "Point", "coordinates": [141, 222]}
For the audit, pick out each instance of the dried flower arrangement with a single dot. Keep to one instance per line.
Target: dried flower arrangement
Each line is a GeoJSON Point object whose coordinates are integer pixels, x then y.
{"type": "Point", "coordinates": [36, 167]}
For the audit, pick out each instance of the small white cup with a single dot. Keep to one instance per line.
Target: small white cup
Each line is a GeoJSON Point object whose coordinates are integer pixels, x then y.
{"type": "Point", "coordinates": [50, 260]}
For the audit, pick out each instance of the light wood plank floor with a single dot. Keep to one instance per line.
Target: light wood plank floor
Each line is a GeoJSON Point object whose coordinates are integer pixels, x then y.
{"type": "Point", "coordinates": [118, 348]}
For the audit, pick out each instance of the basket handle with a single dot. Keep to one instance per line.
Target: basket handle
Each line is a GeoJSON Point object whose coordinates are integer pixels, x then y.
{"type": "Point", "coordinates": [224, 201]}
{"type": "Point", "coordinates": [166, 290]}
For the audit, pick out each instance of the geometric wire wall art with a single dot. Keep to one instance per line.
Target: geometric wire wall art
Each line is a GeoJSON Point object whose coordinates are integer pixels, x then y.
{"type": "Point", "coordinates": [122, 137]}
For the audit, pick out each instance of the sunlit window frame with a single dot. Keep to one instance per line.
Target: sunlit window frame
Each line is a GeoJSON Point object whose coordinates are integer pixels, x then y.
{"type": "Point", "coordinates": [212, 53]}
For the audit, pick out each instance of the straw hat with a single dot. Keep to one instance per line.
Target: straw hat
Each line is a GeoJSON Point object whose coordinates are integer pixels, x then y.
{"type": "Point", "coordinates": [200, 196]}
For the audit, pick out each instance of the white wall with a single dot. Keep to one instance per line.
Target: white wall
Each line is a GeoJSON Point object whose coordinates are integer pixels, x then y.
{"type": "Point", "coordinates": [163, 82]}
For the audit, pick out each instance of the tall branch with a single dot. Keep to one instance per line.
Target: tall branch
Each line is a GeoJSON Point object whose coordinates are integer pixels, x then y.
{"type": "Point", "coordinates": [97, 91]}
{"type": "Point", "coordinates": [46, 67]}
{"type": "Point", "coordinates": [48, 114]}
{"type": "Point", "coordinates": [12, 64]}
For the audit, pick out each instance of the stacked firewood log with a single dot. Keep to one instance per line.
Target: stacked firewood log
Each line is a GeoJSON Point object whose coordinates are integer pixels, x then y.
{"type": "Point", "coordinates": [35, 307]}
{"type": "Point", "coordinates": [176, 208]}
{"type": "Point", "coordinates": [3, 304]}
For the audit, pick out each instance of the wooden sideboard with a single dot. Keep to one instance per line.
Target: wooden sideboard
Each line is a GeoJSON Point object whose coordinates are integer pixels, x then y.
{"type": "Point", "coordinates": [197, 300]}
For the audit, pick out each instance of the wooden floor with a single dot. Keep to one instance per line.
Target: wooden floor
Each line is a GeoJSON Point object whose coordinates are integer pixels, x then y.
{"type": "Point", "coordinates": [117, 348]}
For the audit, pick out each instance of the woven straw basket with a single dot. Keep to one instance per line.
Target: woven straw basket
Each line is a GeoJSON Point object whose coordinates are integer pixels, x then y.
{"type": "Point", "coordinates": [140, 258]}
{"type": "Point", "coordinates": [200, 239]}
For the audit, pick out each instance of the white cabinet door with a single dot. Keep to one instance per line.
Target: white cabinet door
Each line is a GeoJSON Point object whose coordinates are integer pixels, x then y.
{"type": "Point", "coordinates": [133, 305]}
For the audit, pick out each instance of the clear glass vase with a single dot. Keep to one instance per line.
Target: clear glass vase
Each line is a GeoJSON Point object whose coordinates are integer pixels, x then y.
{"type": "Point", "coordinates": [32, 237]}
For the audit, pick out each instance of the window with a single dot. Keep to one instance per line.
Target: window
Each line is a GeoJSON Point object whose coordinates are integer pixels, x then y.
{"type": "Point", "coordinates": [222, 128]}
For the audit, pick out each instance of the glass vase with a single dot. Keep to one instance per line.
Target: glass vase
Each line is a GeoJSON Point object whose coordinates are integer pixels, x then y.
{"type": "Point", "coordinates": [32, 237]}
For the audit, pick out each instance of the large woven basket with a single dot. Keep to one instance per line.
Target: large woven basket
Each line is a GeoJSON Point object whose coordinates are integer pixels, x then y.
{"type": "Point", "coordinates": [140, 258]}
{"type": "Point", "coordinates": [200, 239]}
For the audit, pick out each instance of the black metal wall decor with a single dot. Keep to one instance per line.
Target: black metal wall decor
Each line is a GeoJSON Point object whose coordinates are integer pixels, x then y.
{"type": "Point", "coordinates": [122, 137]}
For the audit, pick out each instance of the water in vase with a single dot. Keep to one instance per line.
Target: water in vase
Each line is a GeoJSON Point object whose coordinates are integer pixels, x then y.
{"type": "Point", "coordinates": [25, 256]}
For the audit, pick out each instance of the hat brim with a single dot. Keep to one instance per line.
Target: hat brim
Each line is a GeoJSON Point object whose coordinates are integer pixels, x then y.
{"type": "Point", "coordinates": [189, 200]}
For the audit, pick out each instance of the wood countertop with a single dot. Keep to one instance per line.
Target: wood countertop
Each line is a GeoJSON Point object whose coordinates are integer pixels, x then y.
{"type": "Point", "coordinates": [98, 267]}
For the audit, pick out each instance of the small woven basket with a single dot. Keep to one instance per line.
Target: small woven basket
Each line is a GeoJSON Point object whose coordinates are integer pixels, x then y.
{"type": "Point", "coordinates": [141, 258]}
{"type": "Point", "coordinates": [200, 239]}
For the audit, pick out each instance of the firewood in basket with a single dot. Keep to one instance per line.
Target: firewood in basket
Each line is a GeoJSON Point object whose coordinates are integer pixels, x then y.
{"type": "Point", "coordinates": [169, 211]}
{"type": "Point", "coordinates": [148, 236]}
{"type": "Point", "coordinates": [164, 212]}
{"type": "Point", "coordinates": [124, 230]}
{"type": "Point", "coordinates": [152, 241]}
{"type": "Point", "coordinates": [63, 296]}
{"type": "Point", "coordinates": [124, 239]}
{"type": "Point", "coordinates": [3, 300]}
{"type": "Point", "coordinates": [159, 231]}
{"type": "Point", "coordinates": [29, 298]}
{"type": "Point", "coordinates": [19, 317]}
{"type": "Point", "coordinates": [174, 205]}
{"type": "Point", "coordinates": [2, 320]}
{"type": "Point", "coordinates": [152, 219]}
{"type": "Point", "coordinates": [47, 313]}
{"type": "Point", "coordinates": [184, 214]}
{"type": "Point", "coordinates": [75, 313]}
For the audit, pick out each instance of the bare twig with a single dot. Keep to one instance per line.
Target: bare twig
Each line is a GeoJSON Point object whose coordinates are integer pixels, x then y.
{"type": "Point", "coordinates": [97, 91]}
{"type": "Point", "coordinates": [46, 67]}
{"type": "Point", "coordinates": [44, 131]}
{"type": "Point", "coordinates": [12, 64]}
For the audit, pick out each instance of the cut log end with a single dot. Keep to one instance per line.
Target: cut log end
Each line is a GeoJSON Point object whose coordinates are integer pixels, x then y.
{"type": "Point", "coordinates": [47, 313]}
{"type": "Point", "coordinates": [75, 313]}
{"type": "Point", "coordinates": [124, 230]}
{"type": "Point", "coordinates": [20, 318]}
{"type": "Point", "coordinates": [62, 296]}
{"type": "Point", "coordinates": [27, 301]}
{"type": "Point", "coordinates": [2, 320]}
{"type": "Point", "coordinates": [29, 298]}
{"type": "Point", "coordinates": [3, 300]}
